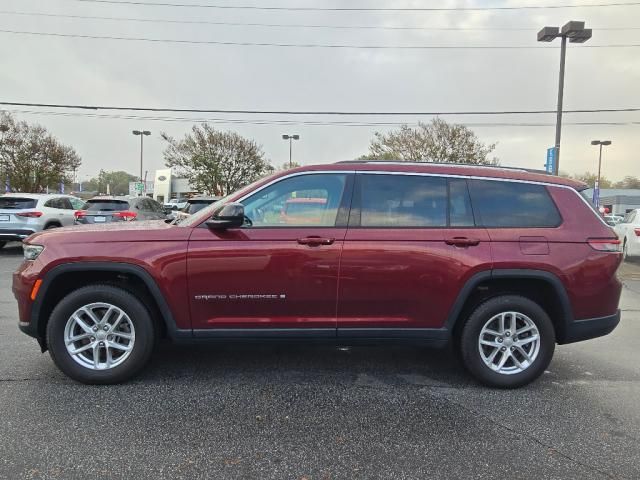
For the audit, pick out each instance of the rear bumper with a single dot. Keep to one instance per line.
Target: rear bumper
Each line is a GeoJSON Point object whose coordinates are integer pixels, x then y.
{"type": "Point", "coordinates": [579, 330]}
{"type": "Point", "coordinates": [12, 234]}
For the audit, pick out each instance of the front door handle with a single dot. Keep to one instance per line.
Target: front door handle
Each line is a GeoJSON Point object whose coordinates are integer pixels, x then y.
{"type": "Point", "coordinates": [315, 241]}
{"type": "Point", "coordinates": [462, 241]}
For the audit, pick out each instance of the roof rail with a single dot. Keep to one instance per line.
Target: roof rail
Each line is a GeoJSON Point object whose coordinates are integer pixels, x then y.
{"type": "Point", "coordinates": [447, 164]}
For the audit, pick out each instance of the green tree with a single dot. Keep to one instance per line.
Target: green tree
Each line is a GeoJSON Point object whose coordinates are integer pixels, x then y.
{"type": "Point", "coordinates": [118, 182]}
{"type": "Point", "coordinates": [590, 179]}
{"type": "Point", "coordinates": [216, 162]}
{"type": "Point", "coordinates": [32, 159]}
{"type": "Point", "coordinates": [628, 182]}
{"type": "Point", "coordinates": [286, 166]}
{"type": "Point", "coordinates": [437, 141]}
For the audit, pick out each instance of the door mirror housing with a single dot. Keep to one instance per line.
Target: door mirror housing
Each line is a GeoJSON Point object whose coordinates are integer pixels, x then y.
{"type": "Point", "coordinates": [230, 215]}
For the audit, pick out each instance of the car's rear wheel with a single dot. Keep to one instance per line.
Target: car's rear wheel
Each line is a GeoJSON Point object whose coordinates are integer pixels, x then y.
{"type": "Point", "coordinates": [100, 334]}
{"type": "Point", "coordinates": [625, 251]}
{"type": "Point", "coordinates": [507, 342]}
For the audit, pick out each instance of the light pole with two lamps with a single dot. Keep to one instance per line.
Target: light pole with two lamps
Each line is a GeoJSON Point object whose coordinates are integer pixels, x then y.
{"type": "Point", "coordinates": [142, 134]}
{"type": "Point", "coordinates": [596, 190]}
{"type": "Point", "coordinates": [576, 33]}
{"type": "Point", "coordinates": [290, 138]}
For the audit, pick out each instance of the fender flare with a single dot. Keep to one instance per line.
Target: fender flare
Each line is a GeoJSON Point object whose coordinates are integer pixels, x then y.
{"type": "Point", "coordinates": [127, 268]}
{"type": "Point", "coordinates": [516, 273]}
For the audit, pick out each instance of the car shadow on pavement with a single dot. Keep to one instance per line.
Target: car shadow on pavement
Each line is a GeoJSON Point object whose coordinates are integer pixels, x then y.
{"type": "Point", "coordinates": [307, 363]}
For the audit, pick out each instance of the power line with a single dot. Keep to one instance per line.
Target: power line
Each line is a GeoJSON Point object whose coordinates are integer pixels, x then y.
{"type": "Point", "coordinates": [300, 122]}
{"type": "Point", "coordinates": [286, 25]}
{"type": "Point", "coordinates": [309, 45]}
{"type": "Point", "coordinates": [299, 112]}
{"type": "Point", "coordinates": [358, 9]}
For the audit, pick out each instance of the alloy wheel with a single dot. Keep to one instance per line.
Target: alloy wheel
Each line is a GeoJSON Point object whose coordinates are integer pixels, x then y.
{"type": "Point", "coordinates": [509, 343]}
{"type": "Point", "coordinates": [99, 336]}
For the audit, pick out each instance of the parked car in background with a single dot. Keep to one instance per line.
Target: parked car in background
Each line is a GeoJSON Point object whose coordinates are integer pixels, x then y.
{"type": "Point", "coordinates": [193, 205]}
{"type": "Point", "coordinates": [22, 214]}
{"type": "Point", "coordinates": [175, 204]}
{"type": "Point", "coordinates": [502, 264]}
{"type": "Point", "coordinates": [119, 209]}
{"type": "Point", "coordinates": [613, 220]}
{"type": "Point", "coordinates": [628, 231]}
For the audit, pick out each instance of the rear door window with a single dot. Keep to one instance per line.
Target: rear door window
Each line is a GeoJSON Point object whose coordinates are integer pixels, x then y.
{"type": "Point", "coordinates": [501, 204]}
{"type": "Point", "coordinates": [402, 201]}
{"type": "Point", "coordinates": [16, 203]}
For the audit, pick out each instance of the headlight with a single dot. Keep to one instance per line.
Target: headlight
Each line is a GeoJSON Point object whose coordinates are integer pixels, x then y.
{"type": "Point", "coordinates": [31, 252]}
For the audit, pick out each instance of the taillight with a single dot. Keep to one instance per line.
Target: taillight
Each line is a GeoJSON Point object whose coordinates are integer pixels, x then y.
{"type": "Point", "coordinates": [29, 214]}
{"type": "Point", "coordinates": [637, 232]}
{"type": "Point", "coordinates": [604, 244]}
{"type": "Point", "coordinates": [126, 216]}
{"type": "Point", "coordinates": [80, 214]}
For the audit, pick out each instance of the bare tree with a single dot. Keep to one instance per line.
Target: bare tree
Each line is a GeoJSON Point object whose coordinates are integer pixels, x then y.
{"type": "Point", "coordinates": [437, 141]}
{"type": "Point", "coordinates": [32, 159]}
{"type": "Point", "coordinates": [216, 162]}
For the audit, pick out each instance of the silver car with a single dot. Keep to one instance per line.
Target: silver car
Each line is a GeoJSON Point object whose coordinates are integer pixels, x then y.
{"type": "Point", "coordinates": [22, 214]}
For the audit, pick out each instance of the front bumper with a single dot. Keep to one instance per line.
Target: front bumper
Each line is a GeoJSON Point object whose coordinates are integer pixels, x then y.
{"type": "Point", "coordinates": [579, 330]}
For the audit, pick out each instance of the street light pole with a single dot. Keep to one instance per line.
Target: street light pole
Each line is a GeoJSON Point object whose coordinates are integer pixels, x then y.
{"type": "Point", "coordinates": [576, 33]}
{"type": "Point", "coordinates": [563, 52]}
{"type": "Point", "coordinates": [142, 133]}
{"type": "Point", "coordinates": [290, 138]}
{"type": "Point", "coordinates": [596, 190]}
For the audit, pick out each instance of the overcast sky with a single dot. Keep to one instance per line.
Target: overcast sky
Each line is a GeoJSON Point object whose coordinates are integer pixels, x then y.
{"type": "Point", "coordinates": [46, 69]}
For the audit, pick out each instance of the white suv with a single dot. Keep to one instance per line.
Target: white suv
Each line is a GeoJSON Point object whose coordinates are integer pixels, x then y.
{"type": "Point", "coordinates": [22, 214]}
{"type": "Point", "coordinates": [628, 231]}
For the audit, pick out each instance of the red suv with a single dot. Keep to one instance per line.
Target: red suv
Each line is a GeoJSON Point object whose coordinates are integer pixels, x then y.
{"type": "Point", "coordinates": [504, 263]}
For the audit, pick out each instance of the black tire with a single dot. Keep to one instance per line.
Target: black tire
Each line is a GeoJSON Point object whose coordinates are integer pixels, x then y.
{"type": "Point", "coordinates": [137, 312]}
{"type": "Point", "coordinates": [469, 341]}
{"type": "Point", "coordinates": [52, 225]}
{"type": "Point", "coordinates": [2, 244]}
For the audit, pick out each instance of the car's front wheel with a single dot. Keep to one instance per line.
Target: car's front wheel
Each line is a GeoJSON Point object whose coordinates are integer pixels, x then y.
{"type": "Point", "coordinates": [100, 334]}
{"type": "Point", "coordinates": [507, 342]}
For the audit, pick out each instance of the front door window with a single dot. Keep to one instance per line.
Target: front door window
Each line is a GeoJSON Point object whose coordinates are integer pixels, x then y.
{"type": "Point", "coordinates": [311, 200]}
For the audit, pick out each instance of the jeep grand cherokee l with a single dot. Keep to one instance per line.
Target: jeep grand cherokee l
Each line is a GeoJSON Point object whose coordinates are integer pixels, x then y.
{"type": "Point", "coordinates": [503, 263]}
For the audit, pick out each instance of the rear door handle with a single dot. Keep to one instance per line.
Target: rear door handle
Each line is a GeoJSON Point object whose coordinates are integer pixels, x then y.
{"type": "Point", "coordinates": [315, 241]}
{"type": "Point", "coordinates": [462, 241]}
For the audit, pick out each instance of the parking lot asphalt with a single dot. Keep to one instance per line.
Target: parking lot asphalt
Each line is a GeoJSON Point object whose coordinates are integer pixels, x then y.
{"type": "Point", "coordinates": [320, 412]}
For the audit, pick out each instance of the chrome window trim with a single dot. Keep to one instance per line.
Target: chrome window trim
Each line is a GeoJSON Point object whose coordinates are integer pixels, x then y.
{"type": "Point", "coordinates": [424, 174]}
{"type": "Point", "coordinates": [291, 175]}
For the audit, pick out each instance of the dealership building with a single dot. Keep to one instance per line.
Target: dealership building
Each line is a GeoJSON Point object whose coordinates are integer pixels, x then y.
{"type": "Point", "coordinates": [619, 201]}
{"type": "Point", "coordinates": [165, 186]}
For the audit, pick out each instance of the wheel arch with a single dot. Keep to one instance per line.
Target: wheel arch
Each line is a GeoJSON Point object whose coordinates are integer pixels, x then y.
{"type": "Point", "coordinates": [63, 279]}
{"type": "Point", "coordinates": [543, 287]}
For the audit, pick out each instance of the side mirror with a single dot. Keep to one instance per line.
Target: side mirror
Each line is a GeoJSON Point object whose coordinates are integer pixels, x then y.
{"type": "Point", "coordinates": [230, 215]}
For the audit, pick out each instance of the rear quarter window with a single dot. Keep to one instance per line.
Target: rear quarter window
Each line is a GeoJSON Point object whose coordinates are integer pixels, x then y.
{"type": "Point", "coordinates": [501, 204]}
